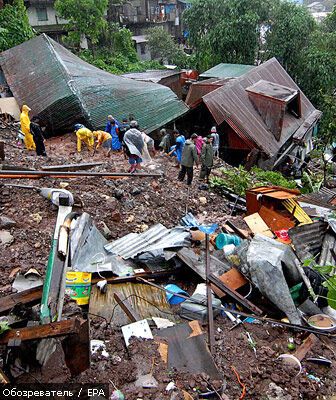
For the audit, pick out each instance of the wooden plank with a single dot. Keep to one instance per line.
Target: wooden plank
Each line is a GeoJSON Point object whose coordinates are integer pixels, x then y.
{"type": "Point", "coordinates": [77, 349]}
{"type": "Point", "coordinates": [306, 346]}
{"type": "Point", "coordinates": [71, 167]}
{"type": "Point", "coordinates": [235, 295]}
{"type": "Point", "coordinates": [53, 329]}
{"type": "Point", "coordinates": [275, 220]}
{"type": "Point", "coordinates": [240, 232]}
{"type": "Point", "coordinates": [29, 297]}
{"type": "Point", "coordinates": [257, 225]}
{"type": "Point", "coordinates": [232, 279]}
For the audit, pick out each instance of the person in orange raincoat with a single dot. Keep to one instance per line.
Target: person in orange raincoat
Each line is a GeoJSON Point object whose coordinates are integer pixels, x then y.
{"type": "Point", "coordinates": [25, 128]}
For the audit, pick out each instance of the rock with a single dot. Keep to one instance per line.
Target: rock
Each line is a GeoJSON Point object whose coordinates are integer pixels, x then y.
{"type": "Point", "coordinates": [106, 231]}
{"type": "Point", "coordinates": [37, 245]}
{"type": "Point", "coordinates": [202, 200]}
{"type": "Point", "coordinates": [130, 219]}
{"type": "Point", "coordinates": [275, 392]}
{"type": "Point", "coordinates": [146, 381]}
{"type": "Point", "coordinates": [36, 217]}
{"type": "Point", "coordinates": [116, 216]}
{"type": "Point", "coordinates": [6, 238]}
{"type": "Point", "coordinates": [6, 222]}
{"type": "Point", "coordinates": [118, 194]}
{"type": "Point", "coordinates": [64, 185]}
{"type": "Point", "coordinates": [112, 203]}
{"type": "Point", "coordinates": [135, 191]}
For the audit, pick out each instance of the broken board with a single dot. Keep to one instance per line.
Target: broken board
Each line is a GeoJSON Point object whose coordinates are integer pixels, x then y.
{"type": "Point", "coordinates": [187, 349]}
{"type": "Point", "coordinates": [275, 220]}
{"type": "Point", "coordinates": [233, 279]}
{"type": "Point", "coordinates": [258, 225]}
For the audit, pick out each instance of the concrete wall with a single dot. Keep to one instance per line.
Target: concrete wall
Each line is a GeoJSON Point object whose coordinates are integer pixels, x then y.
{"type": "Point", "coordinates": [51, 13]}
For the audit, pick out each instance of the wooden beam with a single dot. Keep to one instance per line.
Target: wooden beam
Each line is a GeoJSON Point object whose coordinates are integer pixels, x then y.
{"type": "Point", "coordinates": [54, 329]}
{"type": "Point", "coordinates": [71, 167]}
{"type": "Point", "coordinates": [127, 308]}
{"type": "Point", "coordinates": [235, 295]}
{"type": "Point", "coordinates": [29, 297]}
{"type": "Point", "coordinates": [305, 347]}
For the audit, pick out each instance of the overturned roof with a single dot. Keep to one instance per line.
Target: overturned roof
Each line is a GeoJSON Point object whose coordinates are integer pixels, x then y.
{"type": "Point", "coordinates": [63, 89]}
{"type": "Point", "coordinates": [154, 76]}
{"type": "Point", "coordinates": [254, 117]}
{"type": "Point", "coordinates": [223, 71]}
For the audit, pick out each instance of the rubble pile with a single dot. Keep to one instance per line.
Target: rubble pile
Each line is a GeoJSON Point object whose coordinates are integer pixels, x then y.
{"type": "Point", "coordinates": [157, 290]}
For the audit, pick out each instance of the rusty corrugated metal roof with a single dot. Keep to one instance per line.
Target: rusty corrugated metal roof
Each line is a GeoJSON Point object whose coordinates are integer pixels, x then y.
{"type": "Point", "coordinates": [199, 89]}
{"type": "Point", "coordinates": [329, 243]}
{"type": "Point", "coordinates": [231, 103]}
{"type": "Point", "coordinates": [323, 198]}
{"type": "Point", "coordinates": [307, 239]}
{"type": "Point", "coordinates": [63, 89]}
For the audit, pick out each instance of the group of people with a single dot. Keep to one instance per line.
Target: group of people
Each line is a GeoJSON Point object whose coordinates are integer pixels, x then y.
{"type": "Point", "coordinates": [124, 136]}
{"type": "Point", "coordinates": [136, 145]}
{"type": "Point", "coordinates": [191, 152]}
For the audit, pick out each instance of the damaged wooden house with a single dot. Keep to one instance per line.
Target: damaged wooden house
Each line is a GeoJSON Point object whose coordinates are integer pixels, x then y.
{"type": "Point", "coordinates": [62, 89]}
{"type": "Point", "coordinates": [262, 116]}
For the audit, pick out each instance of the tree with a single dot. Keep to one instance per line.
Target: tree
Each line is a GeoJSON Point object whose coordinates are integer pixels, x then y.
{"type": "Point", "coordinates": [288, 33]}
{"type": "Point", "coordinates": [163, 47]}
{"type": "Point", "coordinates": [226, 31]}
{"type": "Point", "coordinates": [86, 17]}
{"type": "Point", "coordinates": [15, 28]}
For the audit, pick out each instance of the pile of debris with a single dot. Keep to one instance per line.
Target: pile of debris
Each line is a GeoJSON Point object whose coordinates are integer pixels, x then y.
{"type": "Point", "coordinates": [149, 294]}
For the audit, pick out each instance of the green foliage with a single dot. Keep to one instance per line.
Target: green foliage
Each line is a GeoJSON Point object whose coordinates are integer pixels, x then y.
{"type": "Point", "coordinates": [226, 30]}
{"type": "Point", "coordinates": [163, 47]}
{"type": "Point", "coordinates": [289, 32]}
{"type": "Point", "coordinates": [239, 180]}
{"type": "Point", "coordinates": [117, 63]}
{"type": "Point", "coordinates": [328, 273]}
{"type": "Point", "coordinates": [14, 25]}
{"type": "Point", "coordinates": [4, 327]}
{"type": "Point", "coordinates": [86, 17]}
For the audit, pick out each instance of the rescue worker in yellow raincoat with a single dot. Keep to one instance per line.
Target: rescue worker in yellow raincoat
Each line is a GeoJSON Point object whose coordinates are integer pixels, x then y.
{"type": "Point", "coordinates": [84, 135]}
{"type": "Point", "coordinates": [104, 139]}
{"type": "Point", "coordinates": [25, 128]}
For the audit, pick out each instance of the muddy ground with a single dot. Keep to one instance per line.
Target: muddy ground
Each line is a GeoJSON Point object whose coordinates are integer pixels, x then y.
{"type": "Point", "coordinates": [133, 204]}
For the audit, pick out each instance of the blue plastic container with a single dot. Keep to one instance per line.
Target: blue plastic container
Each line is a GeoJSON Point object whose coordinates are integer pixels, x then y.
{"type": "Point", "coordinates": [223, 239]}
{"type": "Point", "coordinates": [171, 298]}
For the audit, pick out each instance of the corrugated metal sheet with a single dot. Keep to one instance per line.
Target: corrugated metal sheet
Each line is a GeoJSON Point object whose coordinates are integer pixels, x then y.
{"type": "Point", "coordinates": [63, 89]}
{"type": "Point", "coordinates": [157, 237]}
{"type": "Point", "coordinates": [227, 71]}
{"type": "Point", "coordinates": [147, 301]}
{"type": "Point", "coordinates": [323, 198]}
{"type": "Point", "coordinates": [295, 209]}
{"type": "Point", "coordinates": [199, 89]}
{"type": "Point", "coordinates": [307, 239]}
{"type": "Point", "coordinates": [231, 103]}
{"type": "Point", "coordinates": [152, 75]}
{"type": "Point", "coordinates": [329, 243]}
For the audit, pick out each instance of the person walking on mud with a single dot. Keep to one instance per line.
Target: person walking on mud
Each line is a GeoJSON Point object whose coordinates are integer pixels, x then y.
{"type": "Point", "coordinates": [189, 158]}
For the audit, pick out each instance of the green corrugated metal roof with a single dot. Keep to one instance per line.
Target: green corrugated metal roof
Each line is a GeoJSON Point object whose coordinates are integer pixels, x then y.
{"type": "Point", "coordinates": [64, 89]}
{"type": "Point", "coordinates": [223, 71]}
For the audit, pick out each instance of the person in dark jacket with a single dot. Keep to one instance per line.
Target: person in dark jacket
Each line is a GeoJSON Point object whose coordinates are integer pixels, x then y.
{"type": "Point", "coordinates": [207, 156]}
{"type": "Point", "coordinates": [123, 128]}
{"type": "Point", "coordinates": [36, 131]}
{"type": "Point", "coordinates": [189, 158]}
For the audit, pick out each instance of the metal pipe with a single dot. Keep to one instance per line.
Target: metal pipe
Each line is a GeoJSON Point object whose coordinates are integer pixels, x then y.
{"type": "Point", "coordinates": [211, 330]}
{"type": "Point", "coordinates": [55, 174]}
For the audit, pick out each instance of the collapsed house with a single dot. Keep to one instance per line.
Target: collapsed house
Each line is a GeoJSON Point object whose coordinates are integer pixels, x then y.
{"type": "Point", "coordinates": [62, 89]}
{"type": "Point", "coordinates": [262, 110]}
{"type": "Point", "coordinates": [169, 78]}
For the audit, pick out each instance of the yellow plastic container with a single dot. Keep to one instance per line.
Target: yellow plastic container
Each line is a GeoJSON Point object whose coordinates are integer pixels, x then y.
{"type": "Point", "coordinates": [78, 286]}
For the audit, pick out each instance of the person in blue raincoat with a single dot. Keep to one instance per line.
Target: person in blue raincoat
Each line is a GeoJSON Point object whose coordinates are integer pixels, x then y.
{"type": "Point", "coordinates": [113, 130]}
{"type": "Point", "coordinates": [177, 149]}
